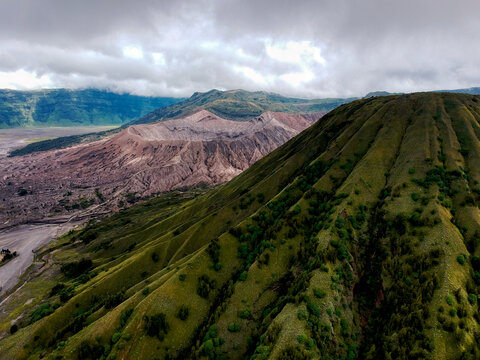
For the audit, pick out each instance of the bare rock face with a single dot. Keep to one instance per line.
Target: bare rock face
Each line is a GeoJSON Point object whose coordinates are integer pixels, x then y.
{"type": "Point", "coordinates": [140, 160]}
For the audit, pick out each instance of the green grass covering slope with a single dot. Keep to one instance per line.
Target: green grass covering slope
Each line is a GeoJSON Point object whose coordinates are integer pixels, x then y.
{"type": "Point", "coordinates": [357, 239]}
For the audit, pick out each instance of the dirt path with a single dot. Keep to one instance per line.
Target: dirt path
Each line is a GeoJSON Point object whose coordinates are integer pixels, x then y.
{"type": "Point", "coordinates": [24, 240]}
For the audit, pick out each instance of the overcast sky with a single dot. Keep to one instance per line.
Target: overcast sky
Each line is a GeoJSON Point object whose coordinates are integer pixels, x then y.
{"type": "Point", "coordinates": [306, 48]}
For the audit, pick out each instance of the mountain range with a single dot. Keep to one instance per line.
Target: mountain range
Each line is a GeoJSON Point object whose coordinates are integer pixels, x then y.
{"type": "Point", "coordinates": [236, 105]}
{"type": "Point", "coordinates": [356, 239]}
{"type": "Point", "coordinates": [63, 107]}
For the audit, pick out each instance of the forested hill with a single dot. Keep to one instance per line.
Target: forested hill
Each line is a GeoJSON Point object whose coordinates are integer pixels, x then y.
{"type": "Point", "coordinates": [62, 107]}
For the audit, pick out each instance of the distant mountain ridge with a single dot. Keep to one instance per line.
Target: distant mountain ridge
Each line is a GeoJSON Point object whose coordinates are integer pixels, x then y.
{"type": "Point", "coordinates": [63, 107]}
{"type": "Point", "coordinates": [470, 91]}
{"type": "Point", "coordinates": [241, 105]}
{"type": "Point", "coordinates": [237, 105]}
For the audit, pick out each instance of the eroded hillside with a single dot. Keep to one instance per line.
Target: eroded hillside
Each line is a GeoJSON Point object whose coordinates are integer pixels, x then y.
{"type": "Point", "coordinates": [139, 161]}
{"type": "Point", "coordinates": [356, 239]}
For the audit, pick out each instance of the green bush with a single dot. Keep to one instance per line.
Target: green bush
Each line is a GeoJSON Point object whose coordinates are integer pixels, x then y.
{"type": "Point", "coordinates": [234, 327]}
{"type": "Point", "coordinates": [319, 293]}
{"type": "Point", "coordinates": [155, 257]}
{"type": "Point", "coordinates": [76, 268]}
{"type": "Point", "coordinates": [183, 313]}
{"type": "Point", "coordinates": [157, 325]}
{"type": "Point", "coordinates": [204, 286]}
{"type": "Point", "coordinates": [449, 300]}
{"type": "Point", "coordinates": [461, 259]}
{"type": "Point", "coordinates": [40, 312]}
{"type": "Point", "coordinates": [116, 337]}
{"type": "Point", "coordinates": [472, 299]}
{"type": "Point", "coordinates": [244, 314]}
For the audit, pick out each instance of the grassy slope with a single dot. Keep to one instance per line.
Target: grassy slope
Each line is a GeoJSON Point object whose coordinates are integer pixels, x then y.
{"type": "Point", "coordinates": [362, 244]}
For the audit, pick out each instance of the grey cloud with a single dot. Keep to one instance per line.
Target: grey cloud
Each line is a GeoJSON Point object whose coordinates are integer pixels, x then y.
{"type": "Point", "coordinates": [367, 45]}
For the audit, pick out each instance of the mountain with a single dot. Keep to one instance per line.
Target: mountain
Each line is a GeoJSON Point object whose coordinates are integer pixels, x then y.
{"type": "Point", "coordinates": [237, 105]}
{"type": "Point", "coordinates": [471, 91]}
{"type": "Point", "coordinates": [240, 105]}
{"type": "Point", "coordinates": [380, 93]}
{"type": "Point", "coordinates": [138, 161]}
{"type": "Point", "coordinates": [357, 239]}
{"type": "Point", "coordinates": [62, 107]}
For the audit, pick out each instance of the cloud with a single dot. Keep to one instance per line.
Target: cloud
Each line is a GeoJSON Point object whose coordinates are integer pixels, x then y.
{"type": "Point", "coordinates": [312, 48]}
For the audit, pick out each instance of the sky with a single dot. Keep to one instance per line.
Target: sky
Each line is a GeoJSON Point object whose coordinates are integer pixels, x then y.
{"type": "Point", "coordinates": [302, 48]}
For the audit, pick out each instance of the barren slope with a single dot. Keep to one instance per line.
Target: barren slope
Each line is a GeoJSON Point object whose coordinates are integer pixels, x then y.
{"type": "Point", "coordinates": [139, 161]}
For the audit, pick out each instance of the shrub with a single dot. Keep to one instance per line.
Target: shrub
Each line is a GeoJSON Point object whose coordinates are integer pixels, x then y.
{"type": "Point", "coordinates": [89, 351]}
{"type": "Point", "coordinates": [76, 268]}
{"type": "Point", "coordinates": [183, 313]}
{"type": "Point", "coordinates": [243, 276]}
{"type": "Point", "coordinates": [155, 257]}
{"type": "Point", "coordinates": [319, 293]}
{"type": "Point", "coordinates": [461, 259]}
{"type": "Point", "coordinates": [40, 312]}
{"type": "Point", "coordinates": [302, 314]}
{"type": "Point", "coordinates": [125, 316]}
{"type": "Point", "coordinates": [449, 300]}
{"type": "Point", "coordinates": [13, 329]}
{"type": "Point", "coordinates": [113, 300]}
{"type": "Point", "coordinates": [157, 325]}
{"type": "Point", "coordinates": [146, 291]}
{"type": "Point", "coordinates": [472, 299]}
{"type": "Point", "coordinates": [56, 289]}
{"type": "Point", "coordinates": [116, 337]}
{"type": "Point", "coordinates": [411, 171]}
{"type": "Point", "coordinates": [301, 338]}
{"type": "Point", "coordinates": [182, 277]}
{"type": "Point", "coordinates": [244, 314]}
{"type": "Point", "coordinates": [204, 286]}
{"type": "Point", "coordinates": [313, 308]}
{"type": "Point", "coordinates": [234, 327]}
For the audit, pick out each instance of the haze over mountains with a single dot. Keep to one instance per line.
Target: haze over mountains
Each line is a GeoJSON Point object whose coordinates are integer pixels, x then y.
{"type": "Point", "coordinates": [356, 239]}
{"type": "Point", "coordinates": [62, 107]}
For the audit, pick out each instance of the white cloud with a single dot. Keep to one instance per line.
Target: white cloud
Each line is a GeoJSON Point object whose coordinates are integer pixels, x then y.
{"type": "Point", "coordinates": [159, 59]}
{"type": "Point", "coordinates": [133, 52]}
{"type": "Point", "coordinates": [23, 80]}
{"type": "Point", "coordinates": [294, 52]}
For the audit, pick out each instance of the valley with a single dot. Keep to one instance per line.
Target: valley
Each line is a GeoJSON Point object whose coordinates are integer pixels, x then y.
{"type": "Point", "coordinates": [11, 139]}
